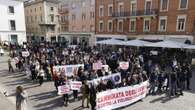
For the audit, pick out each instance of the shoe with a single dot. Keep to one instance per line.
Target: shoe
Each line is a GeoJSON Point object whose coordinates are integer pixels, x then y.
{"type": "Point", "coordinates": [87, 106]}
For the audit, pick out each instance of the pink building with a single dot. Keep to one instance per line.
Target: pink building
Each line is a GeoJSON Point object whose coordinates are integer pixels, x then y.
{"type": "Point", "coordinates": [81, 20]}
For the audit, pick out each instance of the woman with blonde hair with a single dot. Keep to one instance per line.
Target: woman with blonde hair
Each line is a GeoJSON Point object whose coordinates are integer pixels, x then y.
{"type": "Point", "coordinates": [21, 98]}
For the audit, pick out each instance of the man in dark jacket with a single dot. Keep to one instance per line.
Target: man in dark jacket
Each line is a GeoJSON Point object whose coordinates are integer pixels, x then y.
{"type": "Point", "coordinates": [181, 79]}
{"type": "Point", "coordinates": [188, 76]}
{"type": "Point", "coordinates": [173, 86]}
{"type": "Point", "coordinates": [92, 97]}
{"type": "Point", "coordinates": [85, 93]}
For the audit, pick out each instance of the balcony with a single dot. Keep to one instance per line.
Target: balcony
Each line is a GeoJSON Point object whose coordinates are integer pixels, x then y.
{"type": "Point", "coordinates": [152, 12]}
{"type": "Point", "coordinates": [47, 23]}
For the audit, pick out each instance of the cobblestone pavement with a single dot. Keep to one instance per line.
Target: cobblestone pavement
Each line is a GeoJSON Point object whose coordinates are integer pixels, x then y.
{"type": "Point", "coordinates": [44, 97]}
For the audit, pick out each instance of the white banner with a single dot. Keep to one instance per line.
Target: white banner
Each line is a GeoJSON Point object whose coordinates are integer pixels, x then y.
{"type": "Point", "coordinates": [120, 97]}
{"type": "Point", "coordinates": [116, 78]}
{"type": "Point", "coordinates": [75, 85]}
{"type": "Point", "coordinates": [124, 65]}
{"type": "Point", "coordinates": [68, 70]}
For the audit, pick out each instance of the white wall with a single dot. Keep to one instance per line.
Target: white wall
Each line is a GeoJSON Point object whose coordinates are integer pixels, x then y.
{"type": "Point", "coordinates": [18, 16]}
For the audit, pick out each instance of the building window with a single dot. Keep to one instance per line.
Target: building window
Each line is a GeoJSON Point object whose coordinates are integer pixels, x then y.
{"type": "Point", "coordinates": [181, 20]}
{"type": "Point", "coordinates": [164, 5]}
{"type": "Point", "coordinates": [132, 25]}
{"type": "Point", "coordinates": [73, 17]}
{"type": "Point", "coordinates": [52, 29]}
{"type": "Point", "coordinates": [27, 19]}
{"type": "Point", "coordinates": [83, 28]}
{"type": "Point", "coordinates": [133, 7]}
{"type": "Point", "coordinates": [146, 25]}
{"type": "Point", "coordinates": [162, 23]}
{"type": "Point", "coordinates": [51, 8]}
{"type": "Point", "coordinates": [11, 9]}
{"type": "Point", "coordinates": [121, 9]}
{"type": "Point", "coordinates": [31, 18]}
{"type": "Point", "coordinates": [41, 18]}
{"type": "Point", "coordinates": [101, 26]}
{"type": "Point", "coordinates": [35, 18]}
{"type": "Point", "coordinates": [14, 39]}
{"type": "Point", "coordinates": [101, 11]}
{"type": "Point", "coordinates": [120, 26]}
{"type": "Point", "coordinates": [83, 16]}
{"type": "Point", "coordinates": [92, 15]}
{"type": "Point", "coordinates": [12, 25]}
{"type": "Point", "coordinates": [110, 26]}
{"type": "Point", "coordinates": [110, 10]}
{"type": "Point", "coordinates": [183, 4]}
{"type": "Point", "coordinates": [52, 18]}
{"type": "Point", "coordinates": [35, 9]}
{"type": "Point", "coordinates": [148, 6]}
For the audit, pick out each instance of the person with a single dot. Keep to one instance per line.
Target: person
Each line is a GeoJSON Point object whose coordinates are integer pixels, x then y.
{"type": "Point", "coordinates": [152, 81]}
{"type": "Point", "coordinates": [41, 75]}
{"type": "Point", "coordinates": [92, 93]}
{"type": "Point", "coordinates": [173, 84]}
{"type": "Point", "coordinates": [181, 79]}
{"type": "Point", "coordinates": [188, 76]}
{"type": "Point", "coordinates": [75, 92]}
{"type": "Point", "coordinates": [33, 72]}
{"type": "Point", "coordinates": [123, 83]}
{"type": "Point", "coordinates": [63, 81]}
{"type": "Point", "coordinates": [160, 80]}
{"type": "Point", "coordinates": [85, 93]}
{"type": "Point", "coordinates": [21, 98]}
{"type": "Point", "coordinates": [10, 65]}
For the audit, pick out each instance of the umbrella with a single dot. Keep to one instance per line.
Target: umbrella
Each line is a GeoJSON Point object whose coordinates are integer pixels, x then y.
{"type": "Point", "coordinates": [167, 44]}
{"type": "Point", "coordinates": [190, 47]}
{"type": "Point", "coordinates": [111, 42]}
{"type": "Point", "coordinates": [136, 42]}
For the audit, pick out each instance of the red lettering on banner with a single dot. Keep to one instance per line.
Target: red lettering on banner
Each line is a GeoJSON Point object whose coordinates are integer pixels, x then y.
{"type": "Point", "coordinates": [121, 97]}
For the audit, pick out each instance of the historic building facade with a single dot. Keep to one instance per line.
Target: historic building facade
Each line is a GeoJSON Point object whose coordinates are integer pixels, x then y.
{"type": "Point", "coordinates": [42, 20]}
{"type": "Point", "coordinates": [145, 19]}
{"type": "Point", "coordinates": [12, 20]}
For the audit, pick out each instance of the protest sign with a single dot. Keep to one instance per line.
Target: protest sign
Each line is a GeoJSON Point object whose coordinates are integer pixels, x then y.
{"type": "Point", "coordinates": [120, 97]}
{"type": "Point", "coordinates": [105, 67]}
{"type": "Point", "coordinates": [25, 53]}
{"type": "Point", "coordinates": [16, 60]}
{"type": "Point", "coordinates": [65, 89]}
{"type": "Point", "coordinates": [75, 85]}
{"type": "Point", "coordinates": [97, 66]}
{"type": "Point", "coordinates": [69, 70]}
{"type": "Point", "coordinates": [124, 65]}
{"type": "Point", "coordinates": [115, 78]}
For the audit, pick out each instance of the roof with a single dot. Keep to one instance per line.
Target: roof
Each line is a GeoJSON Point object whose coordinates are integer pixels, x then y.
{"type": "Point", "coordinates": [32, 2]}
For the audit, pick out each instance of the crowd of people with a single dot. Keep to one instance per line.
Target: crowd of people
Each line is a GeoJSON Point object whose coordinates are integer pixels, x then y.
{"type": "Point", "coordinates": [168, 70]}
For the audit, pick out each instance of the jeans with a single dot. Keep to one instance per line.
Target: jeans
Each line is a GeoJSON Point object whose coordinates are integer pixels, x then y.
{"type": "Point", "coordinates": [152, 88]}
{"type": "Point", "coordinates": [173, 88]}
